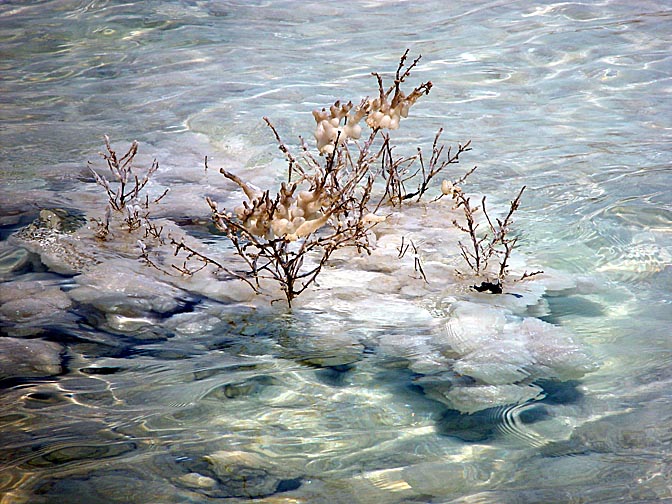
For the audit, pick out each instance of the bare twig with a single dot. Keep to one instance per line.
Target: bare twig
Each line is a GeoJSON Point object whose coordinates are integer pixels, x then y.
{"type": "Point", "coordinates": [527, 275]}
{"type": "Point", "coordinates": [494, 242]}
{"type": "Point", "coordinates": [293, 163]}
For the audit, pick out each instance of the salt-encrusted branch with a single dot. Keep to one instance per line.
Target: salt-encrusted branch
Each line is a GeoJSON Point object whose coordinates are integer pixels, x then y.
{"type": "Point", "coordinates": [330, 199]}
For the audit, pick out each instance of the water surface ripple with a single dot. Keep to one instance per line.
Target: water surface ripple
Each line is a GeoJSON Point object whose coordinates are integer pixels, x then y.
{"type": "Point", "coordinates": [376, 388]}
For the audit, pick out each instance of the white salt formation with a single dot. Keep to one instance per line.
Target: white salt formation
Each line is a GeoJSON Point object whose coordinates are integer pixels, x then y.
{"type": "Point", "coordinates": [330, 130]}
{"type": "Point", "coordinates": [480, 349]}
{"type": "Point", "coordinates": [284, 216]}
{"type": "Point", "coordinates": [339, 124]}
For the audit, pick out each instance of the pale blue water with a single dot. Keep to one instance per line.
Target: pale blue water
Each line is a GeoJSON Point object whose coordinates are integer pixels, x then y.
{"type": "Point", "coordinates": [571, 99]}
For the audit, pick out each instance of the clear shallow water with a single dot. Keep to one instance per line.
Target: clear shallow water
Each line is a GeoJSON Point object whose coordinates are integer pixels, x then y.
{"type": "Point", "coordinates": [195, 399]}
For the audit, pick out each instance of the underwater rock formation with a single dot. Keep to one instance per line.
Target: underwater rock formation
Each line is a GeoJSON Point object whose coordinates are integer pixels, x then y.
{"type": "Point", "coordinates": [496, 358]}
{"type": "Point", "coordinates": [27, 358]}
{"type": "Point", "coordinates": [31, 305]}
{"type": "Point", "coordinates": [52, 237]}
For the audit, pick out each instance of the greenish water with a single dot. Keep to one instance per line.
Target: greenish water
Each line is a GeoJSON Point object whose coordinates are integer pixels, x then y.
{"type": "Point", "coordinates": [121, 386]}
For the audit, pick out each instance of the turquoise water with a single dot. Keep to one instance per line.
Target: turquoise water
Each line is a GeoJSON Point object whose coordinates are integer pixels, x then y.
{"type": "Point", "coordinates": [124, 387]}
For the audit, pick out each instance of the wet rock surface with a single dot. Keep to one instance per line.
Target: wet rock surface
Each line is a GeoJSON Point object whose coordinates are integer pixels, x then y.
{"type": "Point", "coordinates": [29, 306]}
{"type": "Point", "coordinates": [244, 474]}
{"type": "Point", "coordinates": [52, 237]}
{"type": "Point", "coordinates": [121, 288]}
{"type": "Point", "coordinates": [14, 260]}
{"type": "Point", "coordinates": [483, 356]}
{"type": "Point", "coordinates": [28, 358]}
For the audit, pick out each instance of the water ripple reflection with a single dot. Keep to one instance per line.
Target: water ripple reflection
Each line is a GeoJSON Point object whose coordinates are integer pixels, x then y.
{"type": "Point", "coordinates": [377, 387]}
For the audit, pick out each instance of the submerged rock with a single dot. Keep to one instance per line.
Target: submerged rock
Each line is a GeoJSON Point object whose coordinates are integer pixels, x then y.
{"type": "Point", "coordinates": [499, 358]}
{"type": "Point", "coordinates": [475, 398]}
{"type": "Point", "coordinates": [26, 307]}
{"type": "Point", "coordinates": [51, 236]}
{"type": "Point", "coordinates": [120, 287]}
{"type": "Point", "coordinates": [28, 358]}
{"type": "Point", "coordinates": [245, 474]}
{"type": "Point", "coordinates": [196, 480]}
{"type": "Point", "coordinates": [244, 389]}
{"type": "Point", "coordinates": [13, 260]}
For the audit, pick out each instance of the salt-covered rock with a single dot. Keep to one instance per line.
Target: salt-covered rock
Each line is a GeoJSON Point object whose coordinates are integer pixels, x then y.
{"type": "Point", "coordinates": [470, 326]}
{"type": "Point", "coordinates": [192, 323]}
{"type": "Point", "coordinates": [32, 298]}
{"type": "Point", "coordinates": [52, 237]}
{"type": "Point", "coordinates": [227, 290]}
{"type": "Point", "coordinates": [494, 365]}
{"type": "Point", "coordinates": [554, 351]}
{"type": "Point", "coordinates": [470, 399]}
{"type": "Point", "coordinates": [485, 356]}
{"type": "Point", "coordinates": [29, 305]}
{"type": "Point", "coordinates": [23, 358]}
{"type": "Point", "coordinates": [121, 287]}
